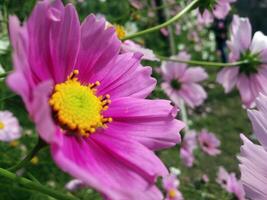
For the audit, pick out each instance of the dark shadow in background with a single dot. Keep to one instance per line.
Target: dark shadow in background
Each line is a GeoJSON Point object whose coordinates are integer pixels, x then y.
{"type": "Point", "coordinates": [256, 11]}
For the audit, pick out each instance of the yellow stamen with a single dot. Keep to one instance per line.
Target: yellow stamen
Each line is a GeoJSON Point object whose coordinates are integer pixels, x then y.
{"type": "Point", "coordinates": [172, 193]}
{"type": "Point", "coordinates": [2, 125]}
{"type": "Point", "coordinates": [77, 108]}
{"type": "Point", "coordinates": [121, 33]}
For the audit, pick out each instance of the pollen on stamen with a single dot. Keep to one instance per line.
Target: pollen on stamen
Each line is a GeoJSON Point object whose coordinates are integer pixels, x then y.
{"type": "Point", "coordinates": [77, 108]}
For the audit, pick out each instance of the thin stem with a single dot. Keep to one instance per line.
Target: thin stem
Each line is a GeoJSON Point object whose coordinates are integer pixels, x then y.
{"type": "Point", "coordinates": [165, 24]}
{"type": "Point", "coordinates": [204, 63]}
{"type": "Point", "coordinates": [184, 115]}
{"type": "Point", "coordinates": [28, 184]}
{"type": "Point", "coordinates": [31, 154]}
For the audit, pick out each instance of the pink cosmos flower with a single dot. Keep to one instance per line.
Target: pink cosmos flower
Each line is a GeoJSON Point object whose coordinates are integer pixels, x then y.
{"type": "Point", "coordinates": [130, 46]}
{"type": "Point", "coordinates": [253, 157]}
{"type": "Point", "coordinates": [209, 143]}
{"type": "Point", "coordinates": [181, 82]}
{"type": "Point", "coordinates": [250, 79]}
{"type": "Point", "coordinates": [220, 11]}
{"type": "Point", "coordinates": [9, 127]}
{"type": "Point", "coordinates": [188, 146]}
{"type": "Point", "coordinates": [137, 4]}
{"type": "Point", "coordinates": [87, 101]}
{"type": "Point", "coordinates": [229, 182]}
{"type": "Point", "coordinates": [170, 185]}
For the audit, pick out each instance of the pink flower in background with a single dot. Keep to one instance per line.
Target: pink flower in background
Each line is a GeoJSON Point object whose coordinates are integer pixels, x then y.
{"type": "Point", "coordinates": [222, 177]}
{"type": "Point", "coordinates": [209, 143]}
{"type": "Point", "coordinates": [188, 146]}
{"type": "Point", "coordinates": [250, 79]}
{"type": "Point", "coordinates": [88, 101]}
{"type": "Point", "coordinates": [182, 83]}
{"type": "Point", "coordinates": [253, 157]}
{"type": "Point", "coordinates": [229, 182]}
{"type": "Point", "coordinates": [74, 184]}
{"type": "Point", "coordinates": [171, 185]}
{"type": "Point", "coordinates": [137, 4]}
{"type": "Point", "coordinates": [9, 127]}
{"type": "Point", "coordinates": [164, 32]}
{"type": "Point", "coordinates": [130, 46]}
{"type": "Point", "coordinates": [220, 11]}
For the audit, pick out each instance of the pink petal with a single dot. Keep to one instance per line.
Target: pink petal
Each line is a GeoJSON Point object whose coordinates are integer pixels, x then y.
{"type": "Point", "coordinates": [258, 119]}
{"type": "Point", "coordinates": [193, 94]}
{"type": "Point", "coordinates": [64, 43]}
{"type": "Point", "coordinates": [41, 111]}
{"type": "Point", "coordinates": [126, 77]}
{"type": "Point", "coordinates": [104, 46]}
{"type": "Point", "coordinates": [107, 171]}
{"type": "Point", "coordinates": [253, 169]}
{"type": "Point", "coordinates": [228, 77]}
{"type": "Point", "coordinates": [150, 122]}
{"type": "Point", "coordinates": [195, 74]}
{"type": "Point", "coordinates": [221, 10]}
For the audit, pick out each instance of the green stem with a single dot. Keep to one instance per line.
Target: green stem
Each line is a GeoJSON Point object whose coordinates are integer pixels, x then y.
{"type": "Point", "coordinates": [41, 144]}
{"type": "Point", "coordinates": [204, 63]}
{"type": "Point", "coordinates": [165, 24]}
{"type": "Point", "coordinates": [28, 184]}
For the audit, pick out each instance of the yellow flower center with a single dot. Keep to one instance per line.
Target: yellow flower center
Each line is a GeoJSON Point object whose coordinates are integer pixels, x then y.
{"type": "Point", "coordinates": [172, 193]}
{"type": "Point", "coordinates": [120, 31]}
{"type": "Point", "coordinates": [77, 108]}
{"type": "Point", "coordinates": [2, 126]}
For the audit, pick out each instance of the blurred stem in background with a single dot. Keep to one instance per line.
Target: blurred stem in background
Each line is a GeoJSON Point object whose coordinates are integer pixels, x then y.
{"type": "Point", "coordinates": [40, 145]}
{"type": "Point", "coordinates": [163, 25]}
{"type": "Point", "coordinates": [204, 63]}
{"type": "Point", "coordinates": [172, 45]}
{"type": "Point", "coordinates": [34, 186]}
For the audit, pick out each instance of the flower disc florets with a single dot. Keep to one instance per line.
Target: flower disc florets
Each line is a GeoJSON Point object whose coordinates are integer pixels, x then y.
{"type": "Point", "coordinates": [77, 108]}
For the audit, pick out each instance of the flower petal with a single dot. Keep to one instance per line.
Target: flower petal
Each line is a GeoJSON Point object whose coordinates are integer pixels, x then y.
{"type": "Point", "coordinates": [104, 46]}
{"type": "Point", "coordinates": [253, 170]}
{"type": "Point", "coordinates": [195, 74]}
{"type": "Point", "coordinates": [41, 111]}
{"type": "Point", "coordinates": [126, 78]}
{"type": "Point", "coordinates": [150, 122]}
{"type": "Point", "coordinates": [106, 171]}
{"type": "Point", "coordinates": [228, 78]}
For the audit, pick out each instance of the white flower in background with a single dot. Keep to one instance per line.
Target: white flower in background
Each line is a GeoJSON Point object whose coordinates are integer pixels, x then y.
{"type": "Point", "coordinates": [131, 28]}
{"type": "Point", "coordinates": [4, 44]}
{"type": "Point", "coordinates": [9, 127]}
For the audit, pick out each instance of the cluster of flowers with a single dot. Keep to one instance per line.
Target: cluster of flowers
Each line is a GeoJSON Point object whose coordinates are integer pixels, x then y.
{"type": "Point", "coordinates": [86, 92]}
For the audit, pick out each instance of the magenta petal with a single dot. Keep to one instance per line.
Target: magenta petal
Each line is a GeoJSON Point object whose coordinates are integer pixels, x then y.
{"type": "Point", "coordinates": [126, 77]}
{"type": "Point", "coordinates": [91, 162]}
{"type": "Point", "coordinates": [155, 135]}
{"type": "Point", "coordinates": [41, 111]}
{"type": "Point", "coordinates": [64, 43]}
{"type": "Point", "coordinates": [133, 109]}
{"type": "Point", "coordinates": [132, 154]}
{"type": "Point", "coordinates": [150, 122]}
{"type": "Point", "coordinates": [103, 47]}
